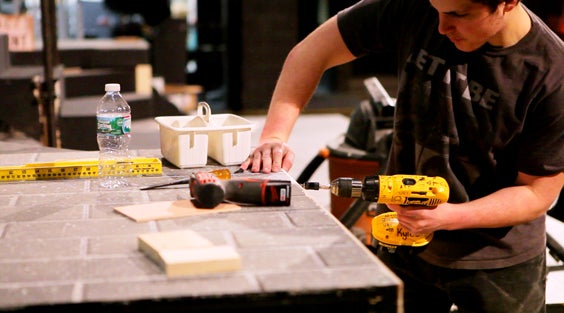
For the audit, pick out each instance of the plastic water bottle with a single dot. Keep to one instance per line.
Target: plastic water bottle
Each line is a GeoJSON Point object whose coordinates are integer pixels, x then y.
{"type": "Point", "coordinates": [113, 116]}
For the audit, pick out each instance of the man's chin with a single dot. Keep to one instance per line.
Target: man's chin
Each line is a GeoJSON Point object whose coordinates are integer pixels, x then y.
{"type": "Point", "coordinates": [465, 46]}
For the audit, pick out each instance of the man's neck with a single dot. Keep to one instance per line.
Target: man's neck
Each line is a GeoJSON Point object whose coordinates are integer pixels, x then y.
{"type": "Point", "coordinates": [518, 24]}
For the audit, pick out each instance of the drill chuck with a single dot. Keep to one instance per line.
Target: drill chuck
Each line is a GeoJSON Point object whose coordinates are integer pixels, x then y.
{"type": "Point", "coordinates": [206, 189]}
{"type": "Point", "coordinates": [346, 187]}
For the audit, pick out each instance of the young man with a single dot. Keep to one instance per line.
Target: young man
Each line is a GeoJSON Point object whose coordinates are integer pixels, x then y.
{"type": "Point", "coordinates": [480, 103]}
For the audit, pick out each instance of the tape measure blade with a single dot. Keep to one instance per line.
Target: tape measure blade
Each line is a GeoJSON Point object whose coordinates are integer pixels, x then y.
{"type": "Point", "coordinates": [64, 163]}
{"type": "Point", "coordinates": [85, 168]}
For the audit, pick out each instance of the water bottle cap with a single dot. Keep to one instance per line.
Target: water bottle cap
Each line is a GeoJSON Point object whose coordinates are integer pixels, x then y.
{"type": "Point", "coordinates": [112, 87]}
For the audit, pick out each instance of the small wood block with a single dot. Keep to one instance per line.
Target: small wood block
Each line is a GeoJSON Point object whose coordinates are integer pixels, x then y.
{"type": "Point", "coordinates": [159, 210]}
{"type": "Point", "coordinates": [182, 253]}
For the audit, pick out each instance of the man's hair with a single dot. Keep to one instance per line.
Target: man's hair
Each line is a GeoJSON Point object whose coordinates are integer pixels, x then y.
{"type": "Point", "coordinates": [491, 3]}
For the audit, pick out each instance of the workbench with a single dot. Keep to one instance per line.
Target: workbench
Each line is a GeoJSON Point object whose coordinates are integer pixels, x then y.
{"type": "Point", "coordinates": [63, 248]}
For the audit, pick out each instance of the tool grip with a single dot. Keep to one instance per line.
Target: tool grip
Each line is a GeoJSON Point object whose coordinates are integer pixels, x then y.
{"type": "Point", "coordinates": [258, 191]}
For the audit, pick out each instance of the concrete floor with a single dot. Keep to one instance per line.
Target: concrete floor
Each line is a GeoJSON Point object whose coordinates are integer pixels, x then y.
{"type": "Point", "coordinates": [311, 133]}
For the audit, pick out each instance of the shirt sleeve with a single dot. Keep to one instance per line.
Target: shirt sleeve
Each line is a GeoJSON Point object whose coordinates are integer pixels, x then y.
{"type": "Point", "coordinates": [372, 26]}
{"type": "Point", "coordinates": [541, 144]}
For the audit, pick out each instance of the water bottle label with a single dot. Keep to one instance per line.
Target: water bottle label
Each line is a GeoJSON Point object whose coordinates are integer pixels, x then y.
{"type": "Point", "coordinates": [115, 126]}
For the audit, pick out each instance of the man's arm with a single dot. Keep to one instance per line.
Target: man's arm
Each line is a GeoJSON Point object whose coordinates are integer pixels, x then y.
{"type": "Point", "coordinates": [530, 198]}
{"type": "Point", "coordinates": [305, 64]}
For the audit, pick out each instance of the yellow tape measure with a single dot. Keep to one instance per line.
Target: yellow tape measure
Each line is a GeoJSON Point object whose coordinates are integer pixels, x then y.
{"type": "Point", "coordinates": [86, 168]}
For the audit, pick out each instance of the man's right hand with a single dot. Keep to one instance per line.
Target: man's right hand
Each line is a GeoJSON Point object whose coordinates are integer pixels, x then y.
{"type": "Point", "coordinates": [269, 157]}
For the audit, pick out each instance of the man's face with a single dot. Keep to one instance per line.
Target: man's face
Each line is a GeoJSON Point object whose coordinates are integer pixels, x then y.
{"type": "Point", "coordinates": [467, 24]}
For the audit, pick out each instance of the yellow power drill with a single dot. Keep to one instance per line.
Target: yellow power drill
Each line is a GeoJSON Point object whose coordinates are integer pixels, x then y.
{"type": "Point", "coordinates": [392, 189]}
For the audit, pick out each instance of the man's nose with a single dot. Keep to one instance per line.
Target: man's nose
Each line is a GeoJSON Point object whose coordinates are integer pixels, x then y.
{"type": "Point", "coordinates": [445, 24]}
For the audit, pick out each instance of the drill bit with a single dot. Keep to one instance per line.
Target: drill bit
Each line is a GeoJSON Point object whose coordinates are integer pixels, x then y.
{"type": "Point", "coordinates": [314, 186]}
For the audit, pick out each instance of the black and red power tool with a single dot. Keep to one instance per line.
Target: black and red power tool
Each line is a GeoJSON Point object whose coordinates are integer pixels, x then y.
{"type": "Point", "coordinates": [209, 190]}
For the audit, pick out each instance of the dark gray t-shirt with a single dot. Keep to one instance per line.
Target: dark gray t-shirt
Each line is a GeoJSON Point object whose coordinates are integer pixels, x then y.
{"type": "Point", "coordinates": [475, 119]}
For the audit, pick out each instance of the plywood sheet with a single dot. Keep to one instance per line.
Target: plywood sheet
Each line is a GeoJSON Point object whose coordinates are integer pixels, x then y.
{"type": "Point", "coordinates": [159, 210]}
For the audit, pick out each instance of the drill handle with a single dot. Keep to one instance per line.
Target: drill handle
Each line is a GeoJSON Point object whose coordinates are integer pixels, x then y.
{"type": "Point", "coordinates": [258, 191]}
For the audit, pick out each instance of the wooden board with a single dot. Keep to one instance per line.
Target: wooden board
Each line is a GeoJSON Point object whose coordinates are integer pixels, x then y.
{"type": "Point", "coordinates": [159, 210]}
{"type": "Point", "coordinates": [182, 253]}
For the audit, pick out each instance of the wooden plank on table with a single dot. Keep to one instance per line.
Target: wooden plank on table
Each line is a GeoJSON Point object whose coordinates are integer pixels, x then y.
{"type": "Point", "coordinates": [159, 210]}
{"type": "Point", "coordinates": [184, 252]}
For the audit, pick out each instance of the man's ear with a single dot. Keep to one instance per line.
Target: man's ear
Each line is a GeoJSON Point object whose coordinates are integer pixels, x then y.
{"type": "Point", "coordinates": [510, 5]}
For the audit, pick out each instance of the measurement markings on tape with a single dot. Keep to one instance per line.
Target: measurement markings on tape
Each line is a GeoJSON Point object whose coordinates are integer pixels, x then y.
{"type": "Point", "coordinates": [87, 168]}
